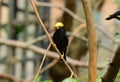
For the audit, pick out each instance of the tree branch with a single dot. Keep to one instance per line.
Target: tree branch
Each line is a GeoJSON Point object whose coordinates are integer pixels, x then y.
{"type": "Point", "coordinates": [40, 50]}
{"type": "Point", "coordinates": [91, 40]}
{"type": "Point", "coordinates": [113, 69]}
{"type": "Point", "coordinates": [11, 78]}
{"type": "Point", "coordinates": [44, 57]}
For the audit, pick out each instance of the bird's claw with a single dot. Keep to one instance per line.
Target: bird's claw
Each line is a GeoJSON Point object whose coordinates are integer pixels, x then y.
{"type": "Point", "coordinates": [61, 57]}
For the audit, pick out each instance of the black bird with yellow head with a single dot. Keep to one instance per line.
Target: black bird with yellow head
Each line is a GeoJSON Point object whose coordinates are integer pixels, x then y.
{"type": "Point", "coordinates": [114, 15]}
{"type": "Point", "coordinates": [60, 39]}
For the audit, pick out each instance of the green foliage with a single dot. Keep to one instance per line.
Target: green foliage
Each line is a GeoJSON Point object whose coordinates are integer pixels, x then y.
{"type": "Point", "coordinates": [19, 28]}
{"type": "Point", "coordinates": [118, 3]}
{"type": "Point", "coordinates": [118, 77]}
{"type": "Point", "coordinates": [98, 79]}
{"type": "Point", "coordinates": [71, 80]}
{"type": "Point", "coordinates": [48, 81]}
{"type": "Point", "coordinates": [38, 79]}
{"type": "Point", "coordinates": [117, 34]}
{"type": "Point", "coordinates": [1, 81]}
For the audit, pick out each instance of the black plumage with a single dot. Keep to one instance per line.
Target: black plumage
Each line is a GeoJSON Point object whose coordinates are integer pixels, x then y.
{"type": "Point", "coordinates": [60, 39]}
{"type": "Point", "coordinates": [115, 15]}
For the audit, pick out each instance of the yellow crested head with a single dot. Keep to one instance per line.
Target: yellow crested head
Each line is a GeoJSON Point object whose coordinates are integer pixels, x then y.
{"type": "Point", "coordinates": [58, 25]}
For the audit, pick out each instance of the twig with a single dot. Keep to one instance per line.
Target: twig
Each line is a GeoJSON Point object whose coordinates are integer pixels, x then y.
{"type": "Point", "coordinates": [70, 68]}
{"type": "Point", "coordinates": [70, 77]}
{"type": "Point", "coordinates": [40, 38]}
{"type": "Point", "coordinates": [11, 78]}
{"type": "Point", "coordinates": [38, 72]}
{"type": "Point", "coordinates": [51, 64]}
{"type": "Point", "coordinates": [91, 40]}
{"type": "Point", "coordinates": [76, 31]}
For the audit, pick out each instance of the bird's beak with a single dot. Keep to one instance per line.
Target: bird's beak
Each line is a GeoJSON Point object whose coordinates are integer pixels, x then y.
{"type": "Point", "coordinates": [118, 16]}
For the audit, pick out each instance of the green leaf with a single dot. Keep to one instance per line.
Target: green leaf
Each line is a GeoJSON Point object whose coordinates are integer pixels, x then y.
{"type": "Point", "coordinates": [48, 81]}
{"type": "Point", "coordinates": [71, 80]}
{"type": "Point", "coordinates": [19, 28]}
{"type": "Point", "coordinates": [38, 79]}
{"type": "Point", "coordinates": [117, 33]}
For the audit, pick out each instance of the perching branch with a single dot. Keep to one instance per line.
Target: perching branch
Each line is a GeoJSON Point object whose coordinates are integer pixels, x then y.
{"type": "Point", "coordinates": [91, 41]}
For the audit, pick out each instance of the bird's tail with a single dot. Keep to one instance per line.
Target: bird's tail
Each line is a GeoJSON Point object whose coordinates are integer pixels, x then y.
{"type": "Point", "coordinates": [65, 57]}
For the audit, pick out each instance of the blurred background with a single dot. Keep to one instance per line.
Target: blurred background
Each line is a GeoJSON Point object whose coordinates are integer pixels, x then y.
{"type": "Point", "coordinates": [19, 26]}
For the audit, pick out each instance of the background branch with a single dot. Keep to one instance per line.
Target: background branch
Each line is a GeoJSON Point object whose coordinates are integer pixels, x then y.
{"type": "Point", "coordinates": [91, 40]}
{"type": "Point", "coordinates": [10, 78]}
{"type": "Point", "coordinates": [113, 69]}
{"type": "Point", "coordinates": [41, 51]}
{"type": "Point", "coordinates": [42, 62]}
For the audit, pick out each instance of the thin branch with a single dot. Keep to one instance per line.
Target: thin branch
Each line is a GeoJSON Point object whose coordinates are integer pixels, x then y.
{"type": "Point", "coordinates": [40, 38]}
{"type": "Point", "coordinates": [51, 64]}
{"type": "Point", "coordinates": [76, 32]}
{"type": "Point", "coordinates": [70, 69]}
{"type": "Point", "coordinates": [38, 72]}
{"type": "Point", "coordinates": [70, 77]}
{"type": "Point", "coordinates": [11, 78]}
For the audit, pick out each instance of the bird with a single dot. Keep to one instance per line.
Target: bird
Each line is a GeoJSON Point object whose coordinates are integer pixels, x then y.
{"type": "Point", "coordinates": [114, 15]}
{"type": "Point", "coordinates": [60, 39]}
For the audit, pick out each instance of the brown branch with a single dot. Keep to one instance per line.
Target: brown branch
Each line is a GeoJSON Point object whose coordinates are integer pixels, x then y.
{"type": "Point", "coordinates": [91, 40]}
{"type": "Point", "coordinates": [40, 50]}
{"type": "Point", "coordinates": [11, 78]}
{"type": "Point", "coordinates": [113, 69]}
{"type": "Point", "coordinates": [44, 57]}
{"type": "Point", "coordinates": [70, 77]}
{"type": "Point", "coordinates": [40, 38]}
{"type": "Point", "coordinates": [76, 32]}
{"type": "Point", "coordinates": [51, 64]}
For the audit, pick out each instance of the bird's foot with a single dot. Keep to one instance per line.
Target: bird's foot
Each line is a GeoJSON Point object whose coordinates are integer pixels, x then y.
{"type": "Point", "coordinates": [61, 57]}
